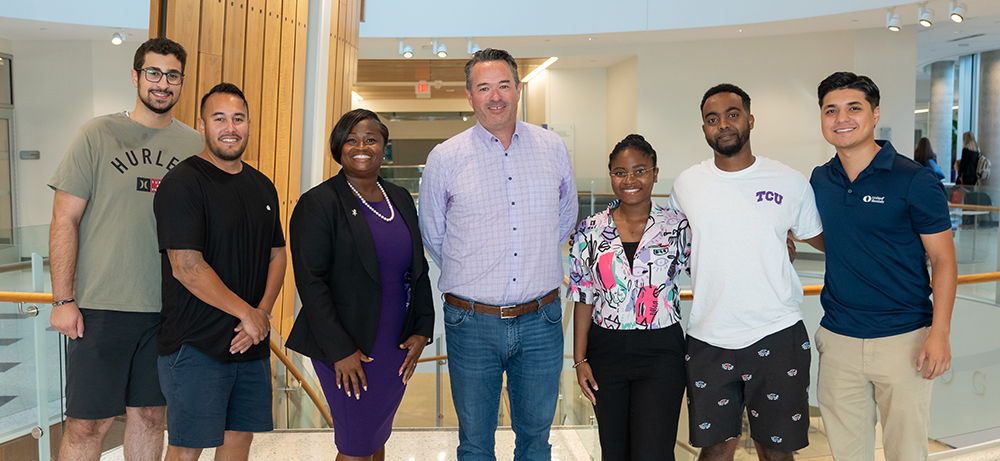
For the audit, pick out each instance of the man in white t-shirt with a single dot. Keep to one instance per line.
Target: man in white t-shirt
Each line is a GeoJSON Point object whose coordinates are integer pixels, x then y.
{"type": "Point", "coordinates": [747, 345]}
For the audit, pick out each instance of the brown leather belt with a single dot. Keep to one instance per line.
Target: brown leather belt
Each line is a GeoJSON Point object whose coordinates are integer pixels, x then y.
{"type": "Point", "coordinates": [505, 312]}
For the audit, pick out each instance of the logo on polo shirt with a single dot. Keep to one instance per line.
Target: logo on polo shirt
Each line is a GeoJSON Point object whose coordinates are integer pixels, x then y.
{"type": "Point", "coordinates": [873, 199]}
{"type": "Point", "coordinates": [147, 184]}
{"type": "Point", "coordinates": [769, 196]}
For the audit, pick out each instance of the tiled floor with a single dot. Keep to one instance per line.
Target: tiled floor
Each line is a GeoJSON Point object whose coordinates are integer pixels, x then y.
{"type": "Point", "coordinates": [403, 445]}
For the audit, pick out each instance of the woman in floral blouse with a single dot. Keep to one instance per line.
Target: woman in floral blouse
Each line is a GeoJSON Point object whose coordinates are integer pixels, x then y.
{"type": "Point", "coordinates": [628, 343]}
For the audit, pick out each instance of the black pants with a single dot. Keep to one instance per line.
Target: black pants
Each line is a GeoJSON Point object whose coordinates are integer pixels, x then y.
{"type": "Point", "coordinates": [640, 375]}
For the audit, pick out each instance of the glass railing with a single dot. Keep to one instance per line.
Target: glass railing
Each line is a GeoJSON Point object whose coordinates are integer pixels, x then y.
{"type": "Point", "coordinates": [31, 354]}
{"type": "Point", "coordinates": [406, 176]}
{"type": "Point", "coordinates": [964, 411]}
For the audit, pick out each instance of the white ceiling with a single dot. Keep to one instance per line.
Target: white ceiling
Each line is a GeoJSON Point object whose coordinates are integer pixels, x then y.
{"type": "Point", "coordinates": [589, 49]}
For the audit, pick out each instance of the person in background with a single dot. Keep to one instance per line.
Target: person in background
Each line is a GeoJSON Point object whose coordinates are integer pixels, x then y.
{"type": "Point", "coordinates": [367, 310]}
{"type": "Point", "coordinates": [628, 346]}
{"type": "Point", "coordinates": [925, 156]}
{"type": "Point", "coordinates": [967, 167]}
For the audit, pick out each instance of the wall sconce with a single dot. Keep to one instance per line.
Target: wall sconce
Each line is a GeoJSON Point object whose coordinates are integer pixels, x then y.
{"type": "Point", "coordinates": [405, 50]}
{"type": "Point", "coordinates": [957, 11]}
{"type": "Point", "coordinates": [892, 20]}
{"type": "Point", "coordinates": [118, 37]}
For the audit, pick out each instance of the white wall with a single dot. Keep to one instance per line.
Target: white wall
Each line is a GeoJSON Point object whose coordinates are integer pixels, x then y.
{"type": "Point", "coordinates": [6, 46]}
{"type": "Point", "coordinates": [779, 73]}
{"type": "Point", "coordinates": [898, 89]}
{"type": "Point", "coordinates": [623, 101]}
{"type": "Point", "coordinates": [58, 86]}
{"type": "Point", "coordinates": [578, 97]}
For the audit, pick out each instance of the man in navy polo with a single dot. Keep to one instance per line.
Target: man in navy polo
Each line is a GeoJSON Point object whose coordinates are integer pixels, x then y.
{"type": "Point", "coordinates": [882, 340]}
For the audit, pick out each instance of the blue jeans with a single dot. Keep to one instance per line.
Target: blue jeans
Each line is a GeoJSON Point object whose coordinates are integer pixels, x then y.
{"type": "Point", "coordinates": [481, 347]}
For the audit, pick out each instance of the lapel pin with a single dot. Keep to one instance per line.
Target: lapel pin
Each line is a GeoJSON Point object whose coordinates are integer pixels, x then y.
{"type": "Point", "coordinates": [354, 212]}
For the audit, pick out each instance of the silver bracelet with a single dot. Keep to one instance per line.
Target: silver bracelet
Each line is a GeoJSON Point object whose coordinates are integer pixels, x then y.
{"type": "Point", "coordinates": [65, 301]}
{"type": "Point", "coordinates": [579, 363]}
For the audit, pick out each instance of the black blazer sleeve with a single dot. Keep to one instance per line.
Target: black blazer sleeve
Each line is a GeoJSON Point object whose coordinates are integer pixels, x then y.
{"type": "Point", "coordinates": [318, 331]}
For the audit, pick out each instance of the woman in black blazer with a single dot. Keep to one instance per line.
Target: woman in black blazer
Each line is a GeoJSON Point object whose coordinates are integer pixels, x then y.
{"type": "Point", "coordinates": [360, 270]}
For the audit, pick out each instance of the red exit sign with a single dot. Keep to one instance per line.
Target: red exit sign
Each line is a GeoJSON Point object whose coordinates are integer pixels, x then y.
{"type": "Point", "coordinates": [424, 88]}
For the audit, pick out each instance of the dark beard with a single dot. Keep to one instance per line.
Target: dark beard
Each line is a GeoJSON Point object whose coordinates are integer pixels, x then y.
{"type": "Point", "coordinates": [729, 151]}
{"type": "Point", "coordinates": [157, 110]}
{"type": "Point", "coordinates": [221, 154]}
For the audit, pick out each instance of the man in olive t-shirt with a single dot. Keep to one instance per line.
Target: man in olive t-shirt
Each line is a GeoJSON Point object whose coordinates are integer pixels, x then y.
{"type": "Point", "coordinates": [104, 259]}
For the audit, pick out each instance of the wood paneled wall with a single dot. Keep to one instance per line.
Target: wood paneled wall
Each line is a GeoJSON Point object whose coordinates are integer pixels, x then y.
{"type": "Point", "coordinates": [260, 45]}
{"type": "Point", "coordinates": [343, 72]}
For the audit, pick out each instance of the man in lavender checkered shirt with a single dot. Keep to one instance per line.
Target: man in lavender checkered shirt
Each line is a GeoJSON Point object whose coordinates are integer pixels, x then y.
{"type": "Point", "coordinates": [497, 202]}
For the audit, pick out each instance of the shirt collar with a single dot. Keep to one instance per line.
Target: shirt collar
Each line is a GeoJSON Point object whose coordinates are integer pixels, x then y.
{"type": "Point", "coordinates": [655, 215]}
{"type": "Point", "coordinates": [883, 160]}
{"type": "Point", "coordinates": [487, 138]}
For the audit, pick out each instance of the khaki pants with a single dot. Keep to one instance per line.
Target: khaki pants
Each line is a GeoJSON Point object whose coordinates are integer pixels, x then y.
{"type": "Point", "coordinates": [855, 375]}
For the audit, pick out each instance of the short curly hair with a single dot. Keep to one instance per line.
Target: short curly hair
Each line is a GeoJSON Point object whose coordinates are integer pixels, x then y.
{"type": "Point", "coordinates": [159, 45]}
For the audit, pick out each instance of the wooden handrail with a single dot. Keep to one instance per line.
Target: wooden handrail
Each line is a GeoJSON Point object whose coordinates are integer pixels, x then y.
{"type": "Point", "coordinates": [305, 385]}
{"type": "Point", "coordinates": [20, 297]}
{"type": "Point", "coordinates": [965, 206]}
{"type": "Point", "coordinates": [432, 359]}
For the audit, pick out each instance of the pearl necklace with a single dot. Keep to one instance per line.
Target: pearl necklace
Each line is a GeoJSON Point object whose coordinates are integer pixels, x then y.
{"type": "Point", "coordinates": [392, 213]}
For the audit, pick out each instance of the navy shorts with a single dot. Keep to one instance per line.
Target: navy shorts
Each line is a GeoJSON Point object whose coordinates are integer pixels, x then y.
{"type": "Point", "coordinates": [770, 378]}
{"type": "Point", "coordinates": [206, 398]}
{"type": "Point", "coordinates": [113, 365]}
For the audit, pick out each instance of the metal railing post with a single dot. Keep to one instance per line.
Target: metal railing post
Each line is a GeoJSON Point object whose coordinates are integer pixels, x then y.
{"type": "Point", "coordinates": [437, 404]}
{"type": "Point", "coordinates": [591, 198]}
{"type": "Point", "coordinates": [41, 432]}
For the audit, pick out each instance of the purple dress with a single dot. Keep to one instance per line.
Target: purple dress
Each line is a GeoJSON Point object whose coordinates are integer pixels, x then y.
{"type": "Point", "coordinates": [361, 427]}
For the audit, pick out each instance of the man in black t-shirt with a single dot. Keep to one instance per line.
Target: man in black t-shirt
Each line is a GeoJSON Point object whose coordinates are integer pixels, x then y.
{"type": "Point", "coordinates": [223, 263]}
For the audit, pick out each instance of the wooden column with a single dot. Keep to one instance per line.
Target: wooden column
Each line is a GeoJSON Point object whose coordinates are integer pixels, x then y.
{"type": "Point", "coordinates": [344, 26]}
{"type": "Point", "coordinates": [260, 46]}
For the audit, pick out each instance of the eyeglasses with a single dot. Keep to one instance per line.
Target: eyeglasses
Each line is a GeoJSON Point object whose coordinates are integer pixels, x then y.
{"type": "Point", "coordinates": [622, 174]}
{"type": "Point", "coordinates": [154, 75]}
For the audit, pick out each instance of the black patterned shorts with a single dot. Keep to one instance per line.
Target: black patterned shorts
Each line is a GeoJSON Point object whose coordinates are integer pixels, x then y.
{"type": "Point", "coordinates": [770, 378]}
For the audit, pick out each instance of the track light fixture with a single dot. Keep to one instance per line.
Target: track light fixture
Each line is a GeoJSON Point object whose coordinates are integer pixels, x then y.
{"type": "Point", "coordinates": [118, 37]}
{"type": "Point", "coordinates": [892, 20]}
{"type": "Point", "coordinates": [470, 48]}
{"type": "Point", "coordinates": [957, 11]}
{"type": "Point", "coordinates": [926, 16]}
{"type": "Point", "coordinates": [441, 50]}
{"type": "Point", "coordinates": [405, 50]}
